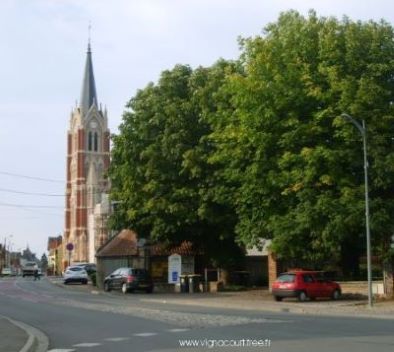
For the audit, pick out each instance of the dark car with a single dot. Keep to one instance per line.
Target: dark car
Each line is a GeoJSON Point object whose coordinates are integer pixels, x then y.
{"type": "Point", "coordinates": [304, 285]}
{"type": "Point", "coordinates": [90, 268]}
{"type": "Point", "coordinates": [129, 280]}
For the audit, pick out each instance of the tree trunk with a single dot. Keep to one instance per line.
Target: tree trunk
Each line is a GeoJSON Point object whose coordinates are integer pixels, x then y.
{"type": "Point", "coordinates": [224, 276]}
{"type": "Point", "coordinates": [388, 279]}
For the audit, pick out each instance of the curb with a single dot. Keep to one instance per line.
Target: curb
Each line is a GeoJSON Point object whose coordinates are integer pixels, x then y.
{"type": "Point", "coordinates": [37, 341]}
{"type": "Point", "coordinates": [93, 290]}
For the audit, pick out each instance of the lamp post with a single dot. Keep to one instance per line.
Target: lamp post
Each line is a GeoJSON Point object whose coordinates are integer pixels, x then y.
{"type": "Point", "coordinates": [363, 130]}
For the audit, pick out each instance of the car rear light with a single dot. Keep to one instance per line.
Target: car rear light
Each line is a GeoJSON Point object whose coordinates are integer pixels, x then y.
{"type": "Point", "coordinates": [130, 278]}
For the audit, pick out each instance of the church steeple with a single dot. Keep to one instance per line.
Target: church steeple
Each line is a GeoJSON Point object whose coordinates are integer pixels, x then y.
{"type": "Point", "coordinates": [88, 94]}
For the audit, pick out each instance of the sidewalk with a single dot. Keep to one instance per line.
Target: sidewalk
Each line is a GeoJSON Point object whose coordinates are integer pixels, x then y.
{"type": "Point", "coordinates": [261, 300]}
{"type": "Point", "coordinates": [352, 304]}
{"type": "Point", "coordinates": [19, 337]}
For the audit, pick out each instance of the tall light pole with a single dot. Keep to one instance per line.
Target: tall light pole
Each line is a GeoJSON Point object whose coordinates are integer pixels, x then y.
{"type": "Point", "coordinates": [363, 130]}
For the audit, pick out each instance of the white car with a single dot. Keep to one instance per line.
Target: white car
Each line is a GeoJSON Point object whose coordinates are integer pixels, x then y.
{"type": "Point", "coordinates": [75, 274]}
{"type": "Point", "coordinates": [6, 272]}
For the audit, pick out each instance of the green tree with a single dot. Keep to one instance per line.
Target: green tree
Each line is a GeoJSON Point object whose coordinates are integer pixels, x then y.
{"type": "Point", "coordinates": [44, 262]}
{"type": "Point", "coordinates": [298, 163]}
{"type": "Point", "coordinates": [160, 170]}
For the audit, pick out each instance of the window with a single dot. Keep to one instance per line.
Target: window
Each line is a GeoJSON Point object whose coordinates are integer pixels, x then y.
{"type": "Point", "coordinates": [286, 278]}
{"type": "Point", "coordinates": [95, 141]}
{"type": "Point", "coordinates": [90, 141]}
{"type": "Point", "coordinates": [308, 278]}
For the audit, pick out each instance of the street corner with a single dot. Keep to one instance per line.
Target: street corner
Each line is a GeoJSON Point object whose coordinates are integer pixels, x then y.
{"type": "Point", "coordinates": [18, 336]}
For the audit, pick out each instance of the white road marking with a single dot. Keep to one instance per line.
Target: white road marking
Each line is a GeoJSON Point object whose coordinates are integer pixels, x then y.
{"type": "Point", "coordinates": [62, 350]}
{"type": "Point", "coordinates": [87, 344]}
{"type": "Point", "coordinates": [145, 334]}
{"type": "Point", "coordinates": [116, 339]}
{"type": "Point", "coordinates": [178, 330]}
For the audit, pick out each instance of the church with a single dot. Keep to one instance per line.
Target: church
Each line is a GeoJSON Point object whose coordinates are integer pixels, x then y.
{"type": "Point", "coordinates": [88, 158]}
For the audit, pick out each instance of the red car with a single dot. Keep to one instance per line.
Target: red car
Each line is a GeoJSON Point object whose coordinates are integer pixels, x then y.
{"type": "Point", "coordinates": [304, 285]}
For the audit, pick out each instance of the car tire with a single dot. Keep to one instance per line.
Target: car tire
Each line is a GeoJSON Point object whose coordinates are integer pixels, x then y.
{"type": "Point", "coordinates": [124, 288]}
{"type": "Point", "coordinates": [149, 290]}
{"type": "Point", "coordinates": [106, 287]}
{"type": "Point", "coordinates": [302, 296]}
{"type": "Point", "coordinates": [84, 282]}
{"type": "Point", "coordinates": [336, 295]}
{"type": "Point", "coordinates": [278, 299]}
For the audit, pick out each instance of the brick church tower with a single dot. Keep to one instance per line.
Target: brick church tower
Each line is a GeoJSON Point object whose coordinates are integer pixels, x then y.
{"type": "Point", "coordinates": [88, 159]}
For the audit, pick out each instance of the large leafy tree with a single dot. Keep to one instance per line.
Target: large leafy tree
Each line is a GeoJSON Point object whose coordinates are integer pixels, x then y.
{"type": "Point", "coordinates": [160, 172]}
{"type": "Point", "coordinates": [298, 162]}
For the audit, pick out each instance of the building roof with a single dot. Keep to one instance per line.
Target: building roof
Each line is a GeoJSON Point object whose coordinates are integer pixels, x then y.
{"type": "Point", "coordinates": [126, 244]}
{"type": "Point", "coordinates": [122, 245]}
{"type": "Point", "coordinates": [185, 248]}
{"type": "Point", "coordinates": [54, 242]}
{"type": "Point", "coordinates": [88, 93]}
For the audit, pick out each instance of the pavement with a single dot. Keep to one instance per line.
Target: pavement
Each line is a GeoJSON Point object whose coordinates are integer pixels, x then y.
{"type": "Point", "coordinates": [16, 336]}
{"type": "Point", "coordinates": [19, 337]}
{"type": "Point", "coordinates": [261, 300]}
{"type": "Point", "coordinates": [354, 302]}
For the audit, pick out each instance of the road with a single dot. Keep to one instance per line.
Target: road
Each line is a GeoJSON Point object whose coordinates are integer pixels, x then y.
{"type": "Point", "coordinates": [74, 319]}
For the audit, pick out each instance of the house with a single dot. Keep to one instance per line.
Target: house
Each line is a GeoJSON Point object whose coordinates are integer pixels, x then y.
{"type": "Point", "coordinates": [127, 250]}
{"type": "Point", "coordinates": [55, 255]}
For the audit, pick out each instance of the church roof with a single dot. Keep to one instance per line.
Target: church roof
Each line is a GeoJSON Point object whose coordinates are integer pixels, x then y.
{"type": "Point", "coordinates": [88, 93]}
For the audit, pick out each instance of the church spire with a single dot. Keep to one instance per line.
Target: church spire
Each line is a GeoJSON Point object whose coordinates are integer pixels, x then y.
{"type": "Point", "coordinates": [88, 94]}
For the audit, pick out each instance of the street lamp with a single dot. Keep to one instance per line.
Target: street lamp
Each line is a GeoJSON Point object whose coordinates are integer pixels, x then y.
{"type": "Point", "coordinates": [363, 130]}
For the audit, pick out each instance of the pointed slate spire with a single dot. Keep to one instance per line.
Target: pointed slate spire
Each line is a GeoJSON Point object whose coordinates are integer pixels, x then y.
{"type": "Point", "coordinates": [88, 94]}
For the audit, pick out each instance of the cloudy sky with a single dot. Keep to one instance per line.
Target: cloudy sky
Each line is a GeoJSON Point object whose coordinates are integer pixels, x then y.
{"type": "Point", "coordinates": [43, 45]}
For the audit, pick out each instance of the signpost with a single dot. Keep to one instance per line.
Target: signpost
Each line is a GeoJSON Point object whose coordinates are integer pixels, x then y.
{"type": "Point", "coordinates": [179, 265]}
{"type": "Point", "coordinates": [69, 247]}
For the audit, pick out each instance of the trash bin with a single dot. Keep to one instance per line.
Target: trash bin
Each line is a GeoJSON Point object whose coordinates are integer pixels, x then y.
{"type": "Point", "coordinates": [194, 283]}
{"type": "Point", "coordinates": [184, 280]}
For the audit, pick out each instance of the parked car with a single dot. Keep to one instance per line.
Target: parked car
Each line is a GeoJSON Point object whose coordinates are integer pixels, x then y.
{"type": "Point", "coordinates": [304, 285]}
{"type": "Point", "coordinates": [129, 280]}
{"type": "Point", "coordinates": [75, 274]}
{"type": "Point", "coordinates": [6, 272]}
{"type": "Point", "coordinates": [89, 267]}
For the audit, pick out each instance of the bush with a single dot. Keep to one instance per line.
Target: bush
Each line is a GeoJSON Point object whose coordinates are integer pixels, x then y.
{"type": "Point", "coordinates": [93, 277]}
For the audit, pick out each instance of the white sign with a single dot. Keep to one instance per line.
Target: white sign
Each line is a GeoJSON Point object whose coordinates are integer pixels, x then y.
{"type": "Point", "coordinates": [174, 268]}
{"type": "Point", "coordinates": [178, 265]}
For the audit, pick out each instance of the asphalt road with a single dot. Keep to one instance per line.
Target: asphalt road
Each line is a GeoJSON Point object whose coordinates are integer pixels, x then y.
{"type": "Point", "coordinates": [74, 319]}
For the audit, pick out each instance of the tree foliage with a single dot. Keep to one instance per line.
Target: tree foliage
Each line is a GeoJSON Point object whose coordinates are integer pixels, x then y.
{"type": "Point", "coordinates": [302, 177]}
{"type": "Point", "coordinates": [160, 169]}
{"type": "Point", "coordinates": [258, 148]}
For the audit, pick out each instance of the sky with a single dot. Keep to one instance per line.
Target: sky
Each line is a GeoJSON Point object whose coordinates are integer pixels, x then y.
{"type": "Point", "coordinates": [43, 50]}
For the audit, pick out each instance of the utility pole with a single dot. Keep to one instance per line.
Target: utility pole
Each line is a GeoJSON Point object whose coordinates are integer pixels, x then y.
{"type": "Point", "coordinates": [363, 130]}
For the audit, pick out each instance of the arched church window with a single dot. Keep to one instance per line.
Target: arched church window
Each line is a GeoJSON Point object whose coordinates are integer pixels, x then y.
{"type": "Point", "coordinates": [90, 141]}
{"type": "Point", "coordinates": [95, 141]}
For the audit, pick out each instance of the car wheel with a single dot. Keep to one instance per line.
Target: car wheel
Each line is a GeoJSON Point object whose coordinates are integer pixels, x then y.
{"type": "Point", "coordinates": [302, 296]}
{"type": "Point", "coordinates": [106, 287]}
{"type": "Point", "coordinates": [336, 294]}
{"type": "Point", "coordinates": [278, 299]}
{"type": "Point", "coordinates": [84, 282]}
{"type": "Point", "coordinates": [124, 288]}
{"type": "Point", "coordinates": [149, 290]}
